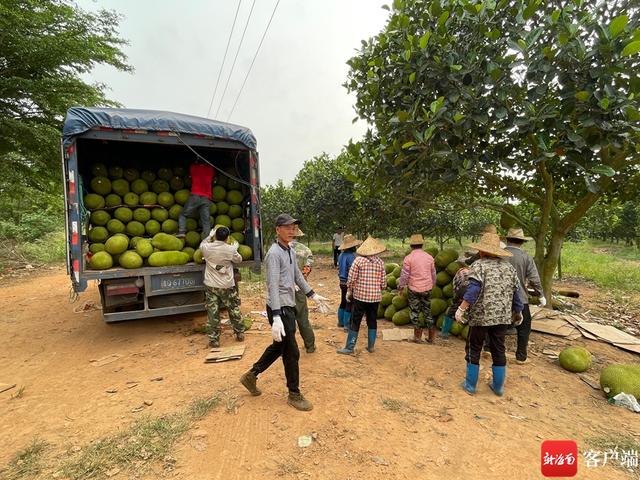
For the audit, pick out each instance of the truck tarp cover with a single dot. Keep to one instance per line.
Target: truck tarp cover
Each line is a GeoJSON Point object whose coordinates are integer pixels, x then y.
{"type": "Point", "coordinates": [82, 119]}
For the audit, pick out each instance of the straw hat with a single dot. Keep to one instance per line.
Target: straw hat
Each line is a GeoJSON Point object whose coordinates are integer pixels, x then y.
{"type": "Point", "coordinates": [416, 239]}
{"type": "Point", "coordinates": [489, 228]}
{"type": "Point", "coordinates": [490, 243]}
{"type": "Point", "coordinates": [299, 232]}
{"type": "Point", "coordinates": [371, 246]}
{"type": "Point", "coordinates": [349, 242]}
{"type": "Point", "coordinates": [517, 234]}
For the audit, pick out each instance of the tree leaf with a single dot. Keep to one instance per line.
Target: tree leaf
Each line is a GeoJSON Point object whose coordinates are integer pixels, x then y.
{"type": "Point", "coordinates": [457, 117]}
{"type": "Point", "coordinates": [604, 170]}
{"type": "Point", "coordinates": [555, 16]}
{"type": "Point", "coordinates": [522, 44]}
{"type": "Point", "coordinates": [617, 25]}
{"type": "Point", "coordinates": [443, 18]}
{"type": "Point", "coordinates": [407, 55]}
{"type": "Point", "coordinates": [583, 95]}
{"type": "Point", "coordinates": [386, 7]}
{"type": "Point", "coordinates": [412, 77]}
{"type": "Point", "coordinates": [456, 68]}
{"type": "Point", "coordinates": [437, 104]}
{"type": "Point", "coordinates": [424, 40]}
{"type": "Point", "coordinates": [408, 144]}
{"type": "Point", "coordinates": [604, 103]}
{"type": "Point", "coordinates": [631, 49]}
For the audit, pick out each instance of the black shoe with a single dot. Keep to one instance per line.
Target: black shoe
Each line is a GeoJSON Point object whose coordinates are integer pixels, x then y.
{"type": "Point", "coordinates": [248, 381]}
{"type": "Point", "coordinates": [311, 349]}
{"type": "Point", "coordinates": [214, 343]}
{"type": "Point", "coordinates": [240, 336]}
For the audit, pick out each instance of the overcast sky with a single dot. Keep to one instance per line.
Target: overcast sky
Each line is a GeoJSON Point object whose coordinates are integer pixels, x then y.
{"type": "Point", "coordinates": [293, 100]}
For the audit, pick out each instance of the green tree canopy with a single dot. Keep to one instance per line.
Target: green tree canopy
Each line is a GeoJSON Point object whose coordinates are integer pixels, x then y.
{"type": "Point", "coordinates": [531, 101]}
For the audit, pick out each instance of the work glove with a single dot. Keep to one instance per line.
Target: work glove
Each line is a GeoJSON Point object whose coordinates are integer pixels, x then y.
{"type": "Point", "coordinates": [277, 329]}
{"type": "Point", "coordinates": [306, 270]}
{"type": "Point", "coordinates": [349, 296]}
{"type": "Point", "coordinates": [323, 303]}
{"type": "Point", "coordinates": [543, 302]}
{"type": "Point", "coordinates": [516, 319]}
{"type": "Point", "coordinates": [460, 316]}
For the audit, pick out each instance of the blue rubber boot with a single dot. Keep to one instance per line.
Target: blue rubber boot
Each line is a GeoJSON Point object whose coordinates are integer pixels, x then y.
{"type": "Point", "coordinates": [346, 321]}
{"type": "Point", "coordinates": [497, 385]}
{"type": "Point", "coordinates": [371, 339]}
{"type": "Point", "coordinates": [469, 384]}
{"type": "Point", "coordinates": [341, 317]}
{"type": "Point", "coordinates": [446, 326]}
{"type": "Point", "coordinates": [352, 338]}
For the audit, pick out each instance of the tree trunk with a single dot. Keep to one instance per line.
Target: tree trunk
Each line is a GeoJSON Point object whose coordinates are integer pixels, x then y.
{"type": "Point", "coordinates": [550, 263]}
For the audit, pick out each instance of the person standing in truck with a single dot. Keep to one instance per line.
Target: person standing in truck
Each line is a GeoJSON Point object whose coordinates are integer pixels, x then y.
{"type": "Point", "coordinates": [202, 175]}
{"type": "Point", "coordinates": [219, 284]}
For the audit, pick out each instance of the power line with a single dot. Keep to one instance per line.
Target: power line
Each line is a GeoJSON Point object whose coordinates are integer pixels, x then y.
{"type": "Point", "coordinates": [224, 58]}
{"type": "Point", "coordinates": [234, 59]}
{"type": "Point", "coordinates": [252, 61]}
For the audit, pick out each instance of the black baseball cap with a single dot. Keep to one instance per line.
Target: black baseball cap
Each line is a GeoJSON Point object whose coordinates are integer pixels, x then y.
{"type": "Point", "coordinates": [286, 219]}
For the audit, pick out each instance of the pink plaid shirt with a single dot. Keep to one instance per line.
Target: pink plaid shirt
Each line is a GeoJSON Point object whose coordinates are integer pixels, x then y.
{"type": "Point", "coordinates": [367, 279]}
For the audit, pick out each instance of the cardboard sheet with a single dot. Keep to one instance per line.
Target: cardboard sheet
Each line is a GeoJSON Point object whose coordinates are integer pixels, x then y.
{"type": "Point", "coordinates": [223, 354]}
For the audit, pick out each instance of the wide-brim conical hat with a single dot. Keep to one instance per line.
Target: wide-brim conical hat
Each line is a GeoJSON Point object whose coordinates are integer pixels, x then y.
{"type": "Point", "coordinates": [490, 243]}
{"type": "Point", "coordinates": [349, 241]}
{"type": "Point", "coordinates": [416, 239]}
{"type": "Point", "coordinates": [371, 246]}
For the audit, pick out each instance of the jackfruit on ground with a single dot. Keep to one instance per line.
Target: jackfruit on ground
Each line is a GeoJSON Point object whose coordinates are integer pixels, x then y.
{"type": "Point", "coordinates": [166, 199]}
{"type": "Point", "coordinates": [436, 292]}
{"type": "Point", "coordinates": [100, 261]}
{"type": "Point", "coordinates": [99, 217]}
{"type": "Point", "coordinates": [93, 201]}
{"type": "Point", "coordinates": [389, 312]}
{"type": "Point", "coordinates": [124, 214]}
{"type": "Point", "coordinates": [170, 226]}
{"type": "Point", "coordinates": [387, 299]}
{"type": "Point", "coordinates": [433, 251]}
{"type": "Point", "coordinates": [438, 306]}
{"type": "Point", "coordinates": [98, 234]}
{"type": "Point", "coordinates": [152, 227]}
{"type": "Point", "coordinates": [456, 328]}
{"type": "Point", "coordinates": [166, 242]}
{"type": "Point", "coordinates": [465, 332]}
{"type": "Point", "coordinates": [112, 200]}
{"type": "Point", "coordinates": [120, 186]}
{"type": "Point", "coordinates": [442, 278]}
{"type": "Point", "coordinates": [164, 259]}
{"type": "Point", "coordinates": [144, 248]}
{"type": "Point", "coordinates": [399, 302]}
{"type": "Point", "coordinates": [390, 267]}
{"type": "Point", "coordinates": [148, 198]}
{"type": "Point", "coordinates": [396, 272]}
{"type": "Point", "coordinates": [380, 312]}
{"type": "Point", "coordinates": [392, 282]}
{"type": "Point", "coordinates": [131, 199]}
{"type": "Point", "coordinates": [453, 268]}
{"type": "Point", "coordinates": [575, 359]}
{"type": "Point", "coordinates": [234, 197]}
{"type": "Point", "coordinates": [101, 185]}
{"type": "Point", "coordinates": [445, 257]}
{"type": "Point", "coordinates": [618, 378]}
{"type": "Point", "coordinates": [447, 290]}
{"type": "Point", "coordinates": [401, 317]}
{"type": "Point", "coordinates": [135, 228]}
{"type": "Point", "coordinates": [130, 259]}
{"type": "Point", "coordinates": [245, 252]}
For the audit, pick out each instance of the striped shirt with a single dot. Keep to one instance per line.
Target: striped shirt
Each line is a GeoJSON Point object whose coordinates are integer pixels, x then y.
{"type": "Point", "coordinates": [367, 279]}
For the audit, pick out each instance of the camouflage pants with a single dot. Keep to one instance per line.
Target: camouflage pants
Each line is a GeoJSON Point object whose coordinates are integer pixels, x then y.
{"type": "Point", "coordinates": [420, 302]}
{"type": "Point", "coordinates": [216, 298]}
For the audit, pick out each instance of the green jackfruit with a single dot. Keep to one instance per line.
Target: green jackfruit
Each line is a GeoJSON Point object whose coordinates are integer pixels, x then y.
{"type": "Point", "coordinates": [116, 244]}
{"type": "Point", "coordinates": [390, 267]}
{"type": "Point", "coordinates": [231, 183]}
{"type": "Point", "coordinates": [440, 321]}
{"type": "Point", "coordinates": [234, 197]}
{"type": "Point", "coordinates": [135, 228]}
{"type": "Point", "coordinates": [237, 224]}
{"type": "Point", "coordinates": [164, 259]}
{"type": "Point", "coordinates": [159, 186]}
{"type": "Point", "coordinates": [436, 292]}
{"type": "Point", "coordinates": [141, 215]}
{"type": "Point", "coordinates": [159, 214]}
{"type": "Point", "coordinates": [98, 234]}
{"type": "Point", "coordinates": [218, 193]}
{"type": "Point", "coordinates": [99, 217]}
{"type": "Point", "coordinates": [130, 259]}
{"type": "Point", "coordinates": [438, 306]}
{"type": "Point", "coordinates": [191, 225]}
{"type": "Point", "coordinates": [221, 180]}
{"type": "Point", "coordinates": [235, 211]}
{"type": "Point", "coordinates": [442, 278]}
{"type": "Point", "coordinates": [213, 208]}
{"type": "Point", "coordinates": [175, 211]}
{"type": "Point", "coordinates": [100, 261]}
{"type": "Point", "coordinates": [575, 359]}
{"type": "Point", "coordinates": [445, 257]}
{"type": "Point", "coordinates": [456, 328]}
{"type": "Point", "coordinates": [166, 199]}
{"type": "Point", "coordinates": [245, 252]}
{"type": "Point", "coordinates": [133, 242]}
{"type": "Point", "coordinates": [148, 198]}
{"type": "Point", "coordinates": [239, 237]}
{"type": "Point", "coordinates": [399, 302]}
{"type": "Point", "coordinates": [197, 256]}
{"type": "Point", "coordinates": [392, 282]}
{"type": "Point", "coordinates": [124, 214]}
{"type": "Point", "coordinates": [453, 268]}
{"type": "Point", "coordinates": [181, 196]}
{"type": "Point", "coordinates": [96, 247]}
{"type": "Point", "coordinates": [131, 199]}
{"type": "Point", "coordinates": [465, 332]}
{"type": "Point", "coordinates": [223, 220]}
{"type": "Point", "coordinates": [433, 251]}
{"type": "Point", "coordinates": [179, 171]}
{"type": "Point", "coordinates": [131, 175]}
{"type": "Point", "coordinates": [170, 226]}
{"type": "Point", "coordinates": [93, 201]}
{"type": "Point", "coordinates": [166, 242]}
{"type": "Point", "coordinates": [618, 378]}
{"type": "Point", "coordinates": [144, 248]}
{"type": "Point", "coordinates": [115, 172]}
{"type": "Point", "coordinates": [176, 183]}
{"type": "Point", "coordinates": [387, 299]}
{"type": "Point", "coordinates": [401, 317]}
{"type": "Point", "coordinates": [165, 174]}
{"type": "Point", "coordinates": [101, 185]}
{"type": "Point", "coordinates": [390, 312]}
{"type": "Point", "coordinates": [152, 227]}
{"type": "Point", "coordinates": [189, 251]}
{"type": "Point", "coordinates": [112, 200]}
{"type": "Point", "coordinates": [223, 208]}
{"type": "Point", "coordinates": [120, 186]}
{"type": "Point", "coordinates": [115, 226]}
{"type": "Point", "coordinates": [148, 176]}
{"type": "Point", "coordinates": [192, 239]}
{"type": "Point", "coordinates": [447, 290]}
{"type": "Point", "coordinates": [139, 186]}
{"type": "Point", "coordinates": [396, 272]}
{"type": "Point", "coordinates": [99, 170]}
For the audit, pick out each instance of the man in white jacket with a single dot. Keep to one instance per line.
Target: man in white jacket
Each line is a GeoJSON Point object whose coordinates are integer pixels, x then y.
{"type": "Point", "coordinates": [219, 284]}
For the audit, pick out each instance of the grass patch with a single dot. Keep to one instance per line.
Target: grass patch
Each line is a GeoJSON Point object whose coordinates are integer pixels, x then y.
{"type": "Point", "coordinates": [148, 440]}
{"type": "Point", "coordinates": [27, 463]}
{"type": "Point", "coordinates": [19, 393]}
{"type": "Point", "coordinates": [394, 405]}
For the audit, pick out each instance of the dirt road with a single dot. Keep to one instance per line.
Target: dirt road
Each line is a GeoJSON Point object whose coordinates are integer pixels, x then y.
{"type": "Point", "coordinates": [398, 413]}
